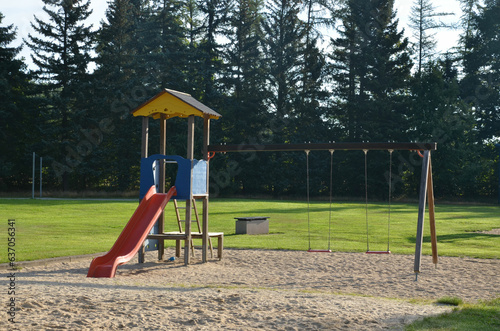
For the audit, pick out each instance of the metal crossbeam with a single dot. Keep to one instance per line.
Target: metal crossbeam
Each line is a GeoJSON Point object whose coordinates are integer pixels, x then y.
{"type": "Point", "coordinates": [321, 146]}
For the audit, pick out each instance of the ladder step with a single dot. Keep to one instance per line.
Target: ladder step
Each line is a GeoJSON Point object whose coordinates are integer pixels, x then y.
{"type": "Point", "coordinates": [184, 221]}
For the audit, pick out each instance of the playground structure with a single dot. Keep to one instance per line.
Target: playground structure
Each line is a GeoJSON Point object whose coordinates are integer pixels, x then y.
{"type": "Point", "coordinates": [426, 184]}
{"type": "Point", "coordinates": [145, 230]}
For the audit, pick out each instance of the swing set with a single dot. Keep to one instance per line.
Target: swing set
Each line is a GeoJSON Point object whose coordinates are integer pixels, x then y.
{"type": "Point", "coordinates": [426, 185]}
{"type": "Point", "coordinates": [368, 251]}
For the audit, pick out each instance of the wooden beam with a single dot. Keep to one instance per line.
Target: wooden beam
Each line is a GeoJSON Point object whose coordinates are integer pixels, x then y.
{"type": "Point", "coordinates": [161, 188]}
{"type": "Point", "coordinates": [145, 137]}
{"type": "Point", "coordinates": [204, 224]}
{"type": "Point", "coordinates": [320, 146]}
{"type": "Point", "coordinates": [190, 156]}
{"type": "Point", "coordinates": [432, 220]}
{"type": "Point", "coordinates": [144, 153]}
{"type": "Point", "coordinates": [421, 212]}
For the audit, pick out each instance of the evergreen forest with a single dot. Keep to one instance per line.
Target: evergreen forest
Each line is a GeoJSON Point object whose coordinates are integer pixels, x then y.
{"type": "Point", "coordinates": [278, 71]}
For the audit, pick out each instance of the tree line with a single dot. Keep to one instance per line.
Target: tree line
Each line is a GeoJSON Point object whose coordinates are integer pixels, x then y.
{"type": "Point", "coordinates": [279, 71]}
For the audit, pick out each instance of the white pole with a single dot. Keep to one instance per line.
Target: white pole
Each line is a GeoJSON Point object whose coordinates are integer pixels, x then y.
{"type": "Point", "coordinates": [41, 176]}
{"type": "Point", "coordinates": [33, 181]}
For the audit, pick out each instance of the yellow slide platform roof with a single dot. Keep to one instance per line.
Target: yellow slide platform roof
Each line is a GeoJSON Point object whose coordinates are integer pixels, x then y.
{"type": "Point", "coordinates": [174, 103]}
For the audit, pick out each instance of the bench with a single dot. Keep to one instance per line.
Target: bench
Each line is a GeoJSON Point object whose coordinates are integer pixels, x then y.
{"type": "Point", "coordinates": [178, 236]}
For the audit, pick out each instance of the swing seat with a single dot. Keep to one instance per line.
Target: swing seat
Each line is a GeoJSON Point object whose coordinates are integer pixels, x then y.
{"type": "Point", "coordinates": [378, 252]}
{"type": "Point", "coordinates": [319, 251]}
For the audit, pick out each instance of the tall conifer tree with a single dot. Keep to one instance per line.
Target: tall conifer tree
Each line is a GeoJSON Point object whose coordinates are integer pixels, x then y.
{"type": "Point", "coordinates": [215, 23]}
{"type": "Point", "coordinates": [62, 53]}
{"type": "Point", "coordinates": [423, 20]}
{"type": "Point", "coordinates": [285, 48]}
{"type": "Point", "coordinates": [371, 68]}
{"type": "Point", "coordinates": [481, 84]}
{"type": "Point", "coordinates": [169, 44]}
{"type": "Point", "coordinates": [245, 114]}
{"type": "Point", "coordinates": [118, 88]}
{"type": "Point", "coordinates": [17, 127]}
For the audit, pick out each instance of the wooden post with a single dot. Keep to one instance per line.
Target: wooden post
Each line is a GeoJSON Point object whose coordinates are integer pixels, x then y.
{"type": "Point", "coordinates": [421, 212]}
{"type": "Point", "coordinates": [145, 136]}
{"type": "Point", "coordinates": [432, 221]}
{"type": "Point", "coordinates": [161, 189]}
{"type": "Point", "coordinates": [498, 146]}
{"type": "Point", "coordinates": [144, 153]}
{"type": "Point", "coordinates": [190, 156]}
{"type": "Point", "coordinates": [206, 142]}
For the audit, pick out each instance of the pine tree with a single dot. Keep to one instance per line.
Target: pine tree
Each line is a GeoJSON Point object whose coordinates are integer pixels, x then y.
{"type": "Point", "coordinates": [312, 94]}
{"type": "Point", "coordinates": [469, 11]}
{"type": "Point", "coordinates": [215, 22]}
{"type": "Point", "coordinates": [285, 37]}
{"type": "Point", "coordinates": [192, 18]}
{"type": "Point", "coordinates": [62, 53]}
{"type": "Point", "coordinates": [168, 44]}
{"type": "Point", "coordinates": [118, 87]}
{"type": "Point", "coordinates": [17, 129]}
{"type": "Point", "coordinates": [371, 69]}
{"type": "Point", "coordinates": [481, 85]}
{"type": "Point", "coordinates": [285, 43]}
{"type": "Point", "coordinates": [245, 113]}
{"type": "Point", "coordinates": [423, 20]}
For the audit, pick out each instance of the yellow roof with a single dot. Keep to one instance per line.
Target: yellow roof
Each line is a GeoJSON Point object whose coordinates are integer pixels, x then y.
{"type": "Point", "coordinates": [173, 103]}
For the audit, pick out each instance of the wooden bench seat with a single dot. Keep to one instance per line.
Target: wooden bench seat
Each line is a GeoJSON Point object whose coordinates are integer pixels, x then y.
{"type": "Point", "coordinates": [178, 236]}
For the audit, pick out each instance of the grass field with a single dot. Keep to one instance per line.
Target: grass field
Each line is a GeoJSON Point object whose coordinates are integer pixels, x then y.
{"type": "Point", "coordinates": [481, 316]}
{"type": "Point", "coordinates": [52, 228]}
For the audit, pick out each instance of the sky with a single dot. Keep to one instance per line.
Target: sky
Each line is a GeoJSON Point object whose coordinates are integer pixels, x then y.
{"type": "Point", "coordinates": [21, 13]}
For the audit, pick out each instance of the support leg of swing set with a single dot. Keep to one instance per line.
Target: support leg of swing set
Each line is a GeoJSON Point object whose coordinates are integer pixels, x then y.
{"type": "Point", "coordinates": [426, 190]}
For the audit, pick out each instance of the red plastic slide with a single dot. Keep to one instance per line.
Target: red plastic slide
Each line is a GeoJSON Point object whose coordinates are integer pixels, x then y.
{"type": "Point", "coordinates": [133, 235]}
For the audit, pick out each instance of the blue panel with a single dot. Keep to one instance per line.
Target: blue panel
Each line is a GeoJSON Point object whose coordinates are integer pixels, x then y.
{"type": "Point", "coordinates": [147, 177]}
{"type": "Point", "coordinates": [199, 177]}
{"type": "Point", "coordinates": [182, 181]}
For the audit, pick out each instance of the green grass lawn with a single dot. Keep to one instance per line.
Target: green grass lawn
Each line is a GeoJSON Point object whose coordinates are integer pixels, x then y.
{"type": "Point", "coordinates": [480, 316]}
{"type": "Point", "coordinates": [52, 228]}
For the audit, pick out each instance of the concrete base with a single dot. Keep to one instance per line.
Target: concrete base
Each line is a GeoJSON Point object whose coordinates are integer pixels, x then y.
{"type": "Point", "coordinates": [252, 225]}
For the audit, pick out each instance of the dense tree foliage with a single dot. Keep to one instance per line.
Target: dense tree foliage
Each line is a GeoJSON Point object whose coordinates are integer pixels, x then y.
{"type": "Point", "coordinates": [272, 70]}
{"type": "Point", "coordinates": [61, 51]}
{"type": "Point", "coordinates": [18, 118]}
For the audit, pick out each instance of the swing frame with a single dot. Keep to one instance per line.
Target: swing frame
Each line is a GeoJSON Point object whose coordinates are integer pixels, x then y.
{"type": "Point", "coordinates": [426, 183]}
{"type": "Point", "coordinates": [310, 250]}
{"type": "Point", "coordinates": [388, 251]}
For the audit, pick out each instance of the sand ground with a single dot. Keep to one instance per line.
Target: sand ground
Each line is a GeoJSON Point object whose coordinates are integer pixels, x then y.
{"type": "Point", "coordinates": [248, 290]}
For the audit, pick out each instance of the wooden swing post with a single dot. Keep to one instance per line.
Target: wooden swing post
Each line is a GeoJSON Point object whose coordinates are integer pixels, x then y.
{"type": "Point", "coordinates": [426, 190]}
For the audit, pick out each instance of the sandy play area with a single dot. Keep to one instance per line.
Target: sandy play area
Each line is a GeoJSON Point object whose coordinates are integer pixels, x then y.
{"type": "Point", "coordinates": [249, 290]}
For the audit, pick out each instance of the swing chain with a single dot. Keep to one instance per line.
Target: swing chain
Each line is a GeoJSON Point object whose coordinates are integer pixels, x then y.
{"type": "Point", "coordinates": [366, 201]}
{"type": "Point", "coordinates": [307, 188]}
{"type": "Point", "coordinates": [390, 199]}
{"type": "Point", "coordinates": [331, 188]}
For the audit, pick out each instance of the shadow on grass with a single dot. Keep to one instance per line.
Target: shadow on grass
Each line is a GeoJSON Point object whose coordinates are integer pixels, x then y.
{"type": "Point", "coordinates": [455, 237]}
